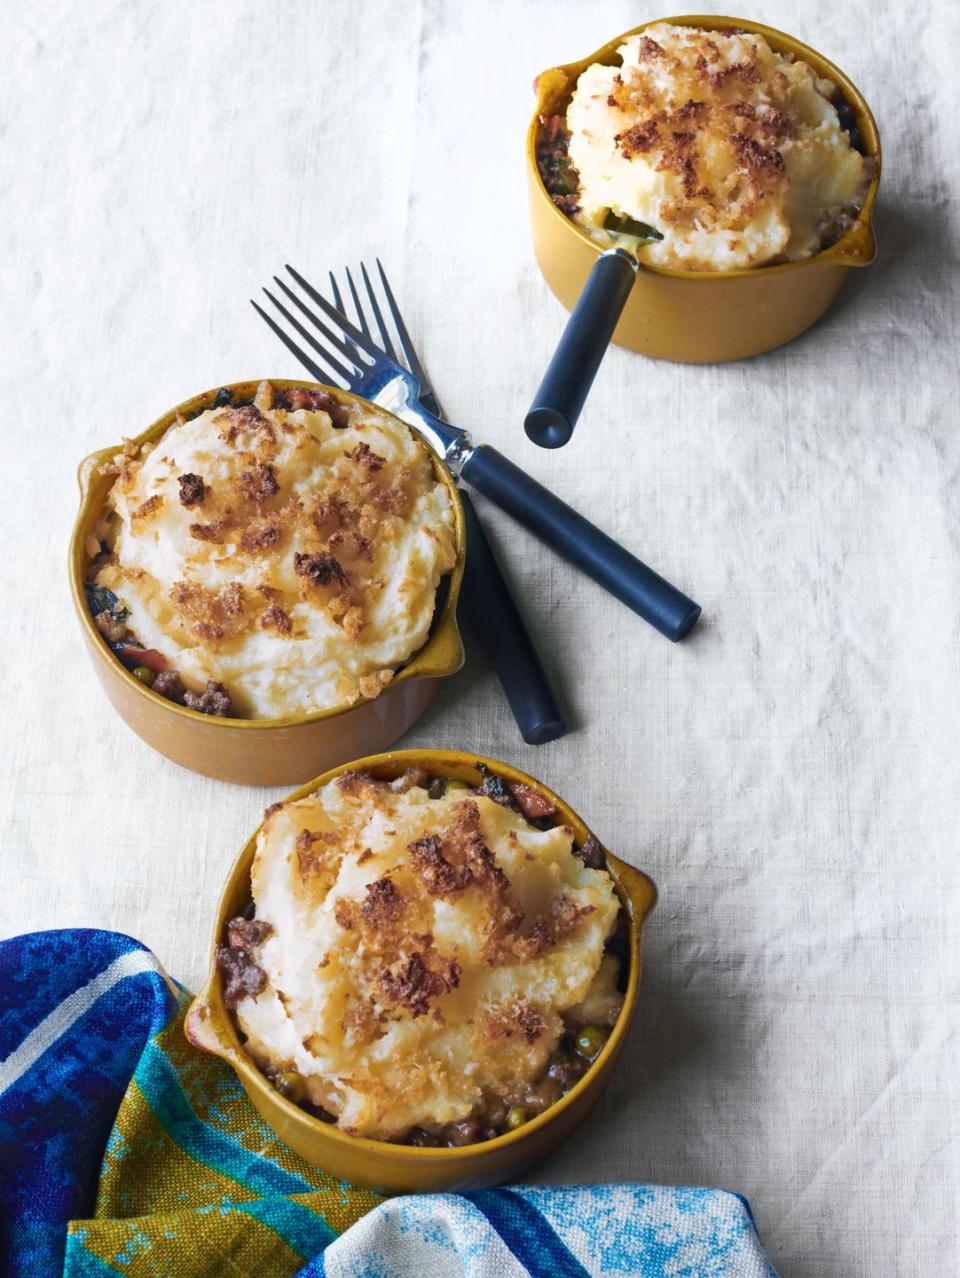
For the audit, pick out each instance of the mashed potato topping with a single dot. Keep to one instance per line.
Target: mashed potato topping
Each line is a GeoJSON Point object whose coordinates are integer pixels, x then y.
{"type": "Point", "coordinates": [289, 549]}
{"type": "Point", "coordinates": [734, 153]}
{"type": "Point", "coordinates": [417, 955]}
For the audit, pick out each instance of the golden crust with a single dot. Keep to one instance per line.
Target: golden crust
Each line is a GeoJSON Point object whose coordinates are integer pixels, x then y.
{"type": "Point", "coordinates": [343, 528]}
{"type": "Point", "coordinates": [424, 950]}
{"type": "Point", "coordinates": [721, 144]}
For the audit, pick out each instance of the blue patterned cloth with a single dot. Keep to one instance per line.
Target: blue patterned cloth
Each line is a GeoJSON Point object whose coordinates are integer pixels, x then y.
{"type": "Point", "coordinates": [124, 1151]}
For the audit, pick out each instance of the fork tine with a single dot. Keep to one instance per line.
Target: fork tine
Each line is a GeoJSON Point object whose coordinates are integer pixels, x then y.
{"type": "Point", "coordinates": [319, 373]}
{"type": "Point", "coordinates": [384, 334]}
{"type": "Point", "coordinates": [338, 302]}
{"type": "Point", "coordinates": [307, 336]}
{"type": "Point", "coordinates": [409, 350]}
{"type": "Point", "coordinates": [346, 349]}
{"type": "Point", "coordinates": [356, 302]}
{"type": "Point", "coordinates": [351, 330]}
{"type": "Point", "coordinates": [335, 290]}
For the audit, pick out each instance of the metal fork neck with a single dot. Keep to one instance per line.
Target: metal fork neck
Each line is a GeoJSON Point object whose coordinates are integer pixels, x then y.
{"type": "Point", "coordinates": [398, 395]}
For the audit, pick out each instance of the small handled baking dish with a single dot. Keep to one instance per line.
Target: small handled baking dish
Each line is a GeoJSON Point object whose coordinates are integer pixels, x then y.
{"type": "Point", "coordinates": [403, 1168]}
{"type": "Point", "coordinates": [263, 751]}
{"type": "Point", "coordinates": [690, 316]}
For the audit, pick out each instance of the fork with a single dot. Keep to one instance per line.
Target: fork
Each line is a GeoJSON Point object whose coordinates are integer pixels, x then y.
{"type": "Point", "coordinates": [489, 605]}
{"type": "Point", "coordinates": [349, 356]}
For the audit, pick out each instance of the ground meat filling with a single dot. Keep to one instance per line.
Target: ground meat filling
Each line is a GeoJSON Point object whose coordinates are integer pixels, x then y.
{"type": "Point", "coordinates": [214, 700]}
{"type": "Point", "coordinates": [412, 982]}
{"type": "Point", "coordinates": [561, 179]}
{"type": "Point", "coordinates": [242, 978]}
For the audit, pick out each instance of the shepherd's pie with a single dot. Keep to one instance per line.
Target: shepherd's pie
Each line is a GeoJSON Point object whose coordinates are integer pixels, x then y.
{"type": "Point", "coordinates": [711, 149]}
{"type": "Point", "coordinates": [273, 558]}
{"type": "Point", "coordinates": [426, 962]}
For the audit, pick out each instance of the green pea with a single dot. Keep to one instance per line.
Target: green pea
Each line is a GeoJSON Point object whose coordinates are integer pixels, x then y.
{"type": "Point", "coordinates": [590, 1040]}
{"type": "Point", "coordinates": [291, 1085]}
{"type": "Point", "coordinates": [516, 1117]}
{"type": "Point", "coordinates": [144, 674]}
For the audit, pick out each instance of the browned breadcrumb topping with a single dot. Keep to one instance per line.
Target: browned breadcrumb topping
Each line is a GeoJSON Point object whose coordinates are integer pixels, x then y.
{"type": "Point", "coordinates": [638, 138]}
{"type": "Point", "coordinates": [440, 876]}
{"type": "Point", "coordinates": [364, 456]}
{"type": "Point", "coordinates": [148, 507]}
{"type": "Point", "coordinates": [310, 861]}
{"type": "Point", "coordinates": [276, 619]}
{"type": "Point", "coordinates": [192, 489]}
{"type": "Point", "coordinates": [215, 531]}
{"type": "Point", "coordinates": [690, 111]}
{"type": "Point", "coordinates": [448, 862]}
{"type": "Point", "coordinates": [261, 536]}
{"type": "Point", "coordinates": [352, 782]}
{"type": "Point", "coordinates": [560, 919]}
{"type": "Point", "coordinates": [520, 1018]}
{"type": "Point", "coordinates": [649, 50]}
{"type": "Point", "coordinates": [338, 532]}
{"type": "Point", "coordinates": [213, 615]}
{"type": "Point", "coordinates": [259, 483]}
{"type": "Point", "coordinates": [319, 569]}
{"type": "Point", "coordinates": [464, 845]}
{"type": "Point", "coordinates": [361, 1021]}
{"type": "Point", "coordinates": [244, 421]}
{"type": "Point", "coordinates": [706, 118]}
{"type": "Point", "coordinates": [371, 685]}
{"type": "Point", "coordinates": [384, 903]}
{"type": "Point", "coordinates": [411, 984]}
{"type": "Point", "coordinates": [752, 154]}
{"type": "Point", "coordinates": [345, 913]}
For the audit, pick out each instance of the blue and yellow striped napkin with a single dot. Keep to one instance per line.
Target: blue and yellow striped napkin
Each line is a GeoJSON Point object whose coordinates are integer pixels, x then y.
{"type": "Point", "coordinates": [125, 1151]}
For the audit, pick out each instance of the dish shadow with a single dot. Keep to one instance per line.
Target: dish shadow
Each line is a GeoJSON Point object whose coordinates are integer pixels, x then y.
{"type": "Point", "coordinates": [912, 248]}
{"type": "Point", "coordinates": [478, 665]}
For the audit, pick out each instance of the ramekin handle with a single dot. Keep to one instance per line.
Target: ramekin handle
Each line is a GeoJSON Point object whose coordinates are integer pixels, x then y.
{"type": "Point", "coordinates": [858, 247]}
{"type": "Point", "coordinates": [639, 887]}
{"type": "Point", "coordinates": [204, 1029]}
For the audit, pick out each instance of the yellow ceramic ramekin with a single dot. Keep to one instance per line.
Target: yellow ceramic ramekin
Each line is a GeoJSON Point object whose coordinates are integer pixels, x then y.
{"type": "Point", "coordinates": [406, 1168]}
{"type": "Point", "coordinates": [701, 317]}
{"type": "Point", "coordinates": [263, 751]}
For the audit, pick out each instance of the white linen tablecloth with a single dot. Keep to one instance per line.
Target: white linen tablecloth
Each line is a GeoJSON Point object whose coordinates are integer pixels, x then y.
{"type": "Point", "coordinates": [788, 775]}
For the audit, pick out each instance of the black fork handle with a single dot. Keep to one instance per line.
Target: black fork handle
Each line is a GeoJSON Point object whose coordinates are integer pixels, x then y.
{"type": "Point", "coordinates": [497, 623]}
{"type": "Point", "coordinates": [665, 607]}
{"type": "Point", "coordinates": [567, 381]}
